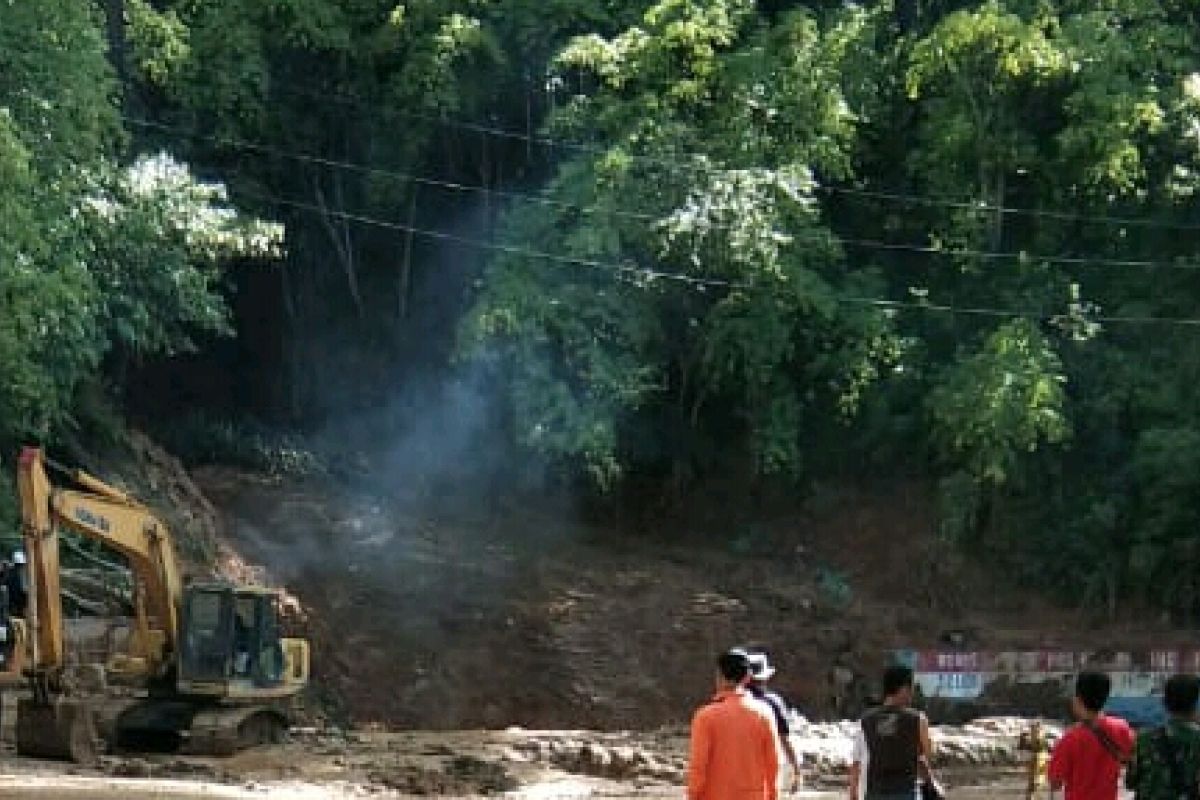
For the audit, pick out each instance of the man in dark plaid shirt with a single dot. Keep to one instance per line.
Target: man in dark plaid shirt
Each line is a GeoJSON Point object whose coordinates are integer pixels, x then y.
{"type": "Point", "coordinates": [1166, 760]}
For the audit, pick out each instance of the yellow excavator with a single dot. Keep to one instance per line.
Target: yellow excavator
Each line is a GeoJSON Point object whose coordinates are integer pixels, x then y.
{"type": "Point", "coordinates": [203, 668]}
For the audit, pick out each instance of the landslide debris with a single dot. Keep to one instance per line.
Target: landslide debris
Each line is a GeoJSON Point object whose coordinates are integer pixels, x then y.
{"type": "Point", "coordinates": [648, 764]}
{"type": "Point", "coordinates": [457, 613]}
{"type": "Point", "coordinates": [135, 767]}
{"type": "Point", "coordinates": [618, 757]}
{"type": "Point", "coordinates": [462, 776]}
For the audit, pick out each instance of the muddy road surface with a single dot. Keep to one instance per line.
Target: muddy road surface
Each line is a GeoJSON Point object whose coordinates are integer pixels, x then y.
{"type": "Point", "coordinates": [133, 790]}
{"type": "Point", "coordinates": [57, 787]}
{"type": "Point", "coordinates": [981, 762]}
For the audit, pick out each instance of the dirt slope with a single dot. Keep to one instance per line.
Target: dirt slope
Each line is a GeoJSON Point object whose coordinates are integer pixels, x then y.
{"type": "Point", "coordinates": [519, 616]}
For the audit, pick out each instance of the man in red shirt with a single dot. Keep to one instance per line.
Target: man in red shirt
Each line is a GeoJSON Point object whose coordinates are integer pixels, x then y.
{"type": "Point", "coordinates": [733, 754]}
{"type": "Point", "coordinates": [1087, 760]}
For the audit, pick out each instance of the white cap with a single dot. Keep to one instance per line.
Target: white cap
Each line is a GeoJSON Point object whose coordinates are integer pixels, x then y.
{"type": "Point", "coordinates": [18, 557]}
{"type": "Point", "coordinates": [760, 667]}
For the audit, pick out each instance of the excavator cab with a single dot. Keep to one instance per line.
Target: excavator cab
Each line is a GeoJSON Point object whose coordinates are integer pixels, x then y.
{"type": "Point", "coordinates": [230, 644]}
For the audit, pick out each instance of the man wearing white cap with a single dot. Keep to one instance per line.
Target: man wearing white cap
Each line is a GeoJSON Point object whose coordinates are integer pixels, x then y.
{"type": "Point", "coordinates": [761, 671]}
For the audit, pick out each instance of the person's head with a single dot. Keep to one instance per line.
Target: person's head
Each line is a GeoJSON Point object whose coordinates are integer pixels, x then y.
{"type": "Point", "coordinates": [1181, 694]}
{"type": "Point", "coordinates": [898, 685]}
{"type": "Point", "coordinates": [1091, 693]}
{"type": "Point", "coordinates": [759, 665]}
{"type": "Point", "coordinates": [732, 668]}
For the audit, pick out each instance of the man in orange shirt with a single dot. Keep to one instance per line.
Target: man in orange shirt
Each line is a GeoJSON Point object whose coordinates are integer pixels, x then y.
{"type": "Point", "coordinates": [733, 754]}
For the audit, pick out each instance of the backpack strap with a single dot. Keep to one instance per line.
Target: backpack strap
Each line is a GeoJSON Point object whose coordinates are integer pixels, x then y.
{"type": "Point", "coordinates": [1106, 741]}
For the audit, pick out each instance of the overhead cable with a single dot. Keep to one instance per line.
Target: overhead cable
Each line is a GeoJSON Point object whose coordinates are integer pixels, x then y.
{"type": "Point", "coordinates": [857, 243]}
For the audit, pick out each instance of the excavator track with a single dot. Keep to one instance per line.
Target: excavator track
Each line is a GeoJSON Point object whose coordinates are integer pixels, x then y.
{"type": "Point", "coordinates": [223, 731]}
{"type": "Point", "coordinates": [74, 729]}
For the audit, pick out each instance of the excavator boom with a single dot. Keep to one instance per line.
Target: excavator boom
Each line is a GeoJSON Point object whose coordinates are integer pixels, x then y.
{"type": "Point", "coordinates": [102, 514]}
{"type": "Point", "coordinates": [41, 551]}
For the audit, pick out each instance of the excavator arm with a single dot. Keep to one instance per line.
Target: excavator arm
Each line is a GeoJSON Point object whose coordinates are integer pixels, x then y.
{"type": "Point", "coordinates": [103, 514]}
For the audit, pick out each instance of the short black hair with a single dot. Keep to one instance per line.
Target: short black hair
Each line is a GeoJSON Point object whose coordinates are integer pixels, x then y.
{"type": "Point", "coordinates": [1092, 689]}
{"type": "Point", "coordinates": [895, 678]}
{"type": "Point", "coordinates": [734, 665]}
{"type": "Point", "coordinates": [1181, 695]}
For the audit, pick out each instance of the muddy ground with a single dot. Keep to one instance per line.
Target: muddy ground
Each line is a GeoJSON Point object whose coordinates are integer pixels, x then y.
{"type": "Point", "coordinates": [512, 763]}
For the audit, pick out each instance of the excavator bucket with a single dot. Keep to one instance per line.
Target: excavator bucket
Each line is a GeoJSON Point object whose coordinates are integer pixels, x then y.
{"type": "Point", "coordinates": [63, 729]}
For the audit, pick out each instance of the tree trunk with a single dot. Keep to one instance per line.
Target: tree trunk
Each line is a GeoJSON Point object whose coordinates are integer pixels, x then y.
{"type": "Point", "coordinates": [485, 179]}
{"type": "Point", "coordinates": [406, 261]}
{"type": "Point", "coordinates": [338, 228]}
{"type": "Point", "coordinates": [292, 347]}
{"type": "Point", "coordinates": [114, 12]}
{"type": "Point", "coordinates": [906, 15]}
{"type": "Point", "coordinates": [997, 235]}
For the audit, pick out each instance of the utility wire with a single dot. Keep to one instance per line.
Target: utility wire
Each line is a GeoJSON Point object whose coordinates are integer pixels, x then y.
{"type": "Point", "coordinates": [398, 175]}
{"type": "Point", "coordinates": [857, 243]}
{"type": "Point", "coordinates": [625, 269]}
{"type": "Point", "coordinates": [1061, 216]}
{"type": "Point", "coordinates": [1187, 322]}
{"type": "Point", "coordinates": [890, 196]}
{"type": "Point", "coordinates": [707, 283]}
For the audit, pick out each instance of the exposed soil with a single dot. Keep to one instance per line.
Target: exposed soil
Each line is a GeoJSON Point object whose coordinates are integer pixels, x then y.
{"type": "Point", "coordinates": [521, 615]}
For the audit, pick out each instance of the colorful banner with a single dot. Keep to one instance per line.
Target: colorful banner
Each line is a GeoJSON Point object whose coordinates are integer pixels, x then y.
{"type": "Point", "coordinates": [967, 674]}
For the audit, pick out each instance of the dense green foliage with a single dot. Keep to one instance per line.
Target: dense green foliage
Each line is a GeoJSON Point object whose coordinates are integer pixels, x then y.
{"type": "Point", "coordinates": [780, 242]}
{"type": "Point", "coordinates": [102, 258]}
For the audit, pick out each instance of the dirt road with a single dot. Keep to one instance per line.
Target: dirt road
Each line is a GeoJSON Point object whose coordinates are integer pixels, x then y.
{"type": "Point", "coordinates": [57, 787]}
{"type": "Point", "coordinates": [539, 765]}
{"type": "Point", "coordinates": [61, 788]}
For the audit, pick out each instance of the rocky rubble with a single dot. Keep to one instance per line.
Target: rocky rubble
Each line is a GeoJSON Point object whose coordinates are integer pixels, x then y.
{"type": "Point", "coordinates": [460, 777]}
{"type": "Point", "coordinates": [532, 763]}
{"type": "Point", "coordinates": [824, 747]}
{"type": "Point", "coordinates": [132, 767]}
{"type": "Point", "coordinates": [988, 742]}
{"type": "Point", "coordinates": [600, 759]}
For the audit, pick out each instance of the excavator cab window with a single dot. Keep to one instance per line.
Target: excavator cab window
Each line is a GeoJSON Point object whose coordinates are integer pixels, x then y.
{"type": "Point", "coordinates": [206, 643]}
{"type": "Point", "coordinates": [230, 635]}
{"type": "Point", "coordinates": [269, 661]}
{"type": "Point", "coordinates": [245, 636]}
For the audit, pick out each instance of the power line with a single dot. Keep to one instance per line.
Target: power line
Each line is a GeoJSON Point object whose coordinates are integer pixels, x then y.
{"type": "Point", "coordinates": [1061, 216]}
{"type": "Point", "coordinates": [858, 243]}
{"type": "Point", "coordinates": [985, 255]}
{"type": "Point", "coordinates": [644, 272]}
{"type": "Point", "coordinates": [890, 196]}
{"type": "Point", "coordinates": [1011, 313]}
{"type": "Point", "coordinates": [707, 283]}
{"type": "Point", "coordinates": [398, 175]}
